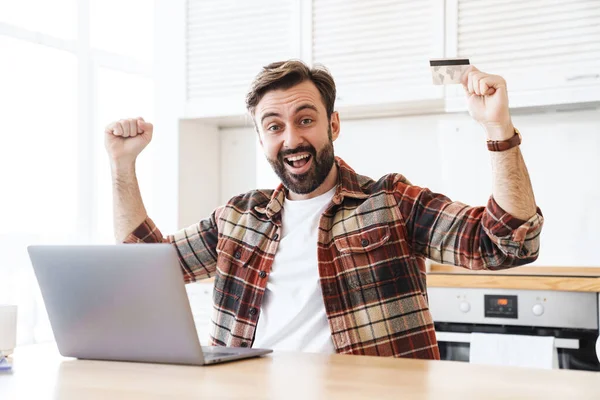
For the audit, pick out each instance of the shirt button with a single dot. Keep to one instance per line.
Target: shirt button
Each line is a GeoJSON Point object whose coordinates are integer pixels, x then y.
{"type": "Point", "coordinates": [364, 242]}
{"type": "Point", "coordinates": [262, 274]}
{"type": "Point", "coordinates": [244, 344]}
{"type": "Point", "coordinates": [253, 311]}
{"type": "Point", "coordinates": [276, 236]}
{"type": "Point", "coordinates": [237, 255]}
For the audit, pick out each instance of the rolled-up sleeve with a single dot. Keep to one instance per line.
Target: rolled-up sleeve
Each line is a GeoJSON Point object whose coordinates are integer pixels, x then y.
{"type": "Point", "coordinates": [147, 232]}
{"type": "Point", "coordinates": [518, 239]}
{"type": "Point", "coordinates": [196, 245]}
{"type": "Point", "coordinates": [472, 237]}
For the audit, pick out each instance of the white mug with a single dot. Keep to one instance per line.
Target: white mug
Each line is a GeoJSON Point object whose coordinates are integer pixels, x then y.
{"type": "Point", "coordinates": [8, 328]}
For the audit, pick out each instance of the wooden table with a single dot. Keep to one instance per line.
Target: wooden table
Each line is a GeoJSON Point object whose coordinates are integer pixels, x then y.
{"type": "Point", "coordinates": [40, 373]}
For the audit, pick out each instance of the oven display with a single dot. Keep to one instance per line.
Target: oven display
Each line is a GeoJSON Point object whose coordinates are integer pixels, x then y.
{"type": "Point", "coordinates": [497, 306]}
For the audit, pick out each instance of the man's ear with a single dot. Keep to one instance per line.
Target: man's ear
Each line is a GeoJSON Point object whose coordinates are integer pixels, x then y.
{"type": "Point", "coordinates": [335, 125]}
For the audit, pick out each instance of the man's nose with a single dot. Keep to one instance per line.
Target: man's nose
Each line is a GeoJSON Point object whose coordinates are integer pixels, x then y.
{"type": "Point", "coordinates": [293, 138]}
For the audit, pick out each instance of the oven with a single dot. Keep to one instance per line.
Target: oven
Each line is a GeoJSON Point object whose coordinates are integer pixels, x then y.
{"type": "Point", "coordinates": [571, 317]}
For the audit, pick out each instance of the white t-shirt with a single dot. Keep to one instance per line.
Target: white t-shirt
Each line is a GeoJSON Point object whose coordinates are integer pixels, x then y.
{"type": "Point", "coordinates": [292, 315]}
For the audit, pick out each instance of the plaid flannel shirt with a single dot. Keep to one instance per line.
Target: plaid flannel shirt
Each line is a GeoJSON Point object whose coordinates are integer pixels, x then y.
{"type": "Point", "coordinates": [372, 243]}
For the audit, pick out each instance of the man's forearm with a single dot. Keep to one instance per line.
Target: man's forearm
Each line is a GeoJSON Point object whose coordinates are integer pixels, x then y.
{"type": "Point", "coordinates": [511, 184]}
{"type": "Point", "coordinates": [128, 208]}
{"type": "Point", "coordinates": [487, 101]}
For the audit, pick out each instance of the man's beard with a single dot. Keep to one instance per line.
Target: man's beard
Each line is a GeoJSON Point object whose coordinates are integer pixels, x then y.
{"type": "Point", "coordinates": [313, 178]}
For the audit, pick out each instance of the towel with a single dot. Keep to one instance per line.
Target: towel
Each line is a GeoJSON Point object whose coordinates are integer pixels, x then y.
{"type": "Point", "coordinates": [514, 350]}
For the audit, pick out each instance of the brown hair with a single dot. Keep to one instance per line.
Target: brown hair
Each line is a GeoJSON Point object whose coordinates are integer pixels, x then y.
{"type": "Point", "coordinates": [286, 74]}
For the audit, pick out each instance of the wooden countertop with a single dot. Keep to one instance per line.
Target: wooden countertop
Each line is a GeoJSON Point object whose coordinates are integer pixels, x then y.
{"type": "Point", "coordinates": [568, 279]}
{"type": "Point", "coordinates": [576, 279]}
{"type": "Point", "coordinates": [40, 373]}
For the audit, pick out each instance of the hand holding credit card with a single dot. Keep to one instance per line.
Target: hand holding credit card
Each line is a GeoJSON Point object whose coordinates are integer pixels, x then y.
{"type": "Point", "coordinates": [446, 71]}
{"type": "Point", "coordinates": [486, 94]}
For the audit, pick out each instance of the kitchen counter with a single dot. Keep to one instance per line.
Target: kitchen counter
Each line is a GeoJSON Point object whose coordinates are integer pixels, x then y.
{"type": "Point", "coordinates": [569, 279]}
{"type": "Point", "coordinates": [575, 279]}
{"type": "Point", "coordinates": [41, 373]}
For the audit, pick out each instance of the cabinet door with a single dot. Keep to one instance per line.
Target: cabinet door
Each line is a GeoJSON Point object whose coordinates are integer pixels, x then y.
{"type": "Point", "coordinates": [378, 51]}
{"type": "Point", "coordinates": [200, 297]}
{"type": "Point", "coordinates": [228, 41]}
{"type": "Point", "coordinates": [547, 50]}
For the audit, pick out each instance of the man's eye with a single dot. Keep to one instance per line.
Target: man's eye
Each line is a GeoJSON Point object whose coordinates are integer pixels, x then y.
{"type": "Point", "coordinates": [273, 128]}
{"type": "Point", "coordinates": [306, 121]}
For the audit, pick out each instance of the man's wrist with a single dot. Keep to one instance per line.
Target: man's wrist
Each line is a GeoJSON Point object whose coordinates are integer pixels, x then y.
{"type": "Point", "coordinates": [504, 145]}
{"type": "Point", "coordinates": [122, 168]}
{"type": "Point", "coordinates": [499, 133]}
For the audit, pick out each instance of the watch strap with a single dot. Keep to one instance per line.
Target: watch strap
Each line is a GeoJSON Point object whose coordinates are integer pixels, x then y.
{"type": "Point", "coordinates": [503, 145]}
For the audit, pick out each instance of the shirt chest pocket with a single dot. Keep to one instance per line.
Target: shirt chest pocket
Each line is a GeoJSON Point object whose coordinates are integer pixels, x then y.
{"type": "Point", "coordinates": [367, 258]}
{"type": "Point", "coordinates": [233, 257]}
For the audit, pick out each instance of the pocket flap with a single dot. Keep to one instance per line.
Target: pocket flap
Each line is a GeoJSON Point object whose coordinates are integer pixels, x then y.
{"type": "Point", "coordinates": [364, 240]}
{"type": "Point", "coordinates": [235, 252]}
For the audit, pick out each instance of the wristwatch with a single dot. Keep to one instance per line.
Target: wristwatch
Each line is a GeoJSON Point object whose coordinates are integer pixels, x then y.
{"type": "Point", "coordinates": [503, 145]}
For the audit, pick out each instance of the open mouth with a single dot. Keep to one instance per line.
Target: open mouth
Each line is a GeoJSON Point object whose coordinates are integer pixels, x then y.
{"type": "Point", "coordinates": [298, 163]}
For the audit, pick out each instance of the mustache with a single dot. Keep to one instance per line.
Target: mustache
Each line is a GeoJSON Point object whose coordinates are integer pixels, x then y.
{"type": "Point", "coordinates": [300, 149]}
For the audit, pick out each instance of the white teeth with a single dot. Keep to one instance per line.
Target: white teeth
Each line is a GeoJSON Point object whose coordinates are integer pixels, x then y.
{"type": "Point", "coordinates": [296, 158]}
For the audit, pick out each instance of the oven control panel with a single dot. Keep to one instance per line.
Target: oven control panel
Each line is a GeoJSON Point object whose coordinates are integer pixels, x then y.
{"type": "Point", "coordinates": [496, 306]}
{"type": "Point", "coordinates": [578, 310]}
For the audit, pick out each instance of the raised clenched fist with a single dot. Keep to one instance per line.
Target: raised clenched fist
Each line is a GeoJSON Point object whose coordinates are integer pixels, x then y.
{"type": "Point", "coordinates": [126, 138]}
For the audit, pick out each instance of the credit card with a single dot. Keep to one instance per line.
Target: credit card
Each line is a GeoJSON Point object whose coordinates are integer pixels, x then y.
{"type": "Point", "coordinates": [446, 71]}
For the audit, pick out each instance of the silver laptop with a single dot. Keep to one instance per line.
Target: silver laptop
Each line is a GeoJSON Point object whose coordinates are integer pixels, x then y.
{"type": "Point", "coordinates": [122, 303]}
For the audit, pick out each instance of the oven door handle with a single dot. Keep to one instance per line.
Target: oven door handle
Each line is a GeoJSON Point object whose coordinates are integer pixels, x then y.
{"type": "Point", "coordinates": [459, 337]}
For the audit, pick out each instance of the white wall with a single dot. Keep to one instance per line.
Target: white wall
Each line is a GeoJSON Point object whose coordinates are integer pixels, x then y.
{"type": "Point", "coordinates": [214, 165]}
{"type": "Point", "coordinates": [446, 152]}
{"type": "Point", "coordinates": [238, 160]}
{"type": "Point", "coordinates": [199, 168]}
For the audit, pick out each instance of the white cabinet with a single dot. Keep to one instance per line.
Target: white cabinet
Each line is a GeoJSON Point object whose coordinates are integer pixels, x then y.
{"type": "Point", "coordinates": [378, 51]}
{"type": "Point", "coordinates": [547, 50]}
{"type": "Point", "coordinates": [228, 41]}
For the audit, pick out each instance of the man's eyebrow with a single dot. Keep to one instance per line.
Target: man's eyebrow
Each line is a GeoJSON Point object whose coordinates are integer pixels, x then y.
{"type": "Point", "coordinates": [306, 106]}
{"type": "Point", "coordinates": [269, 114]}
